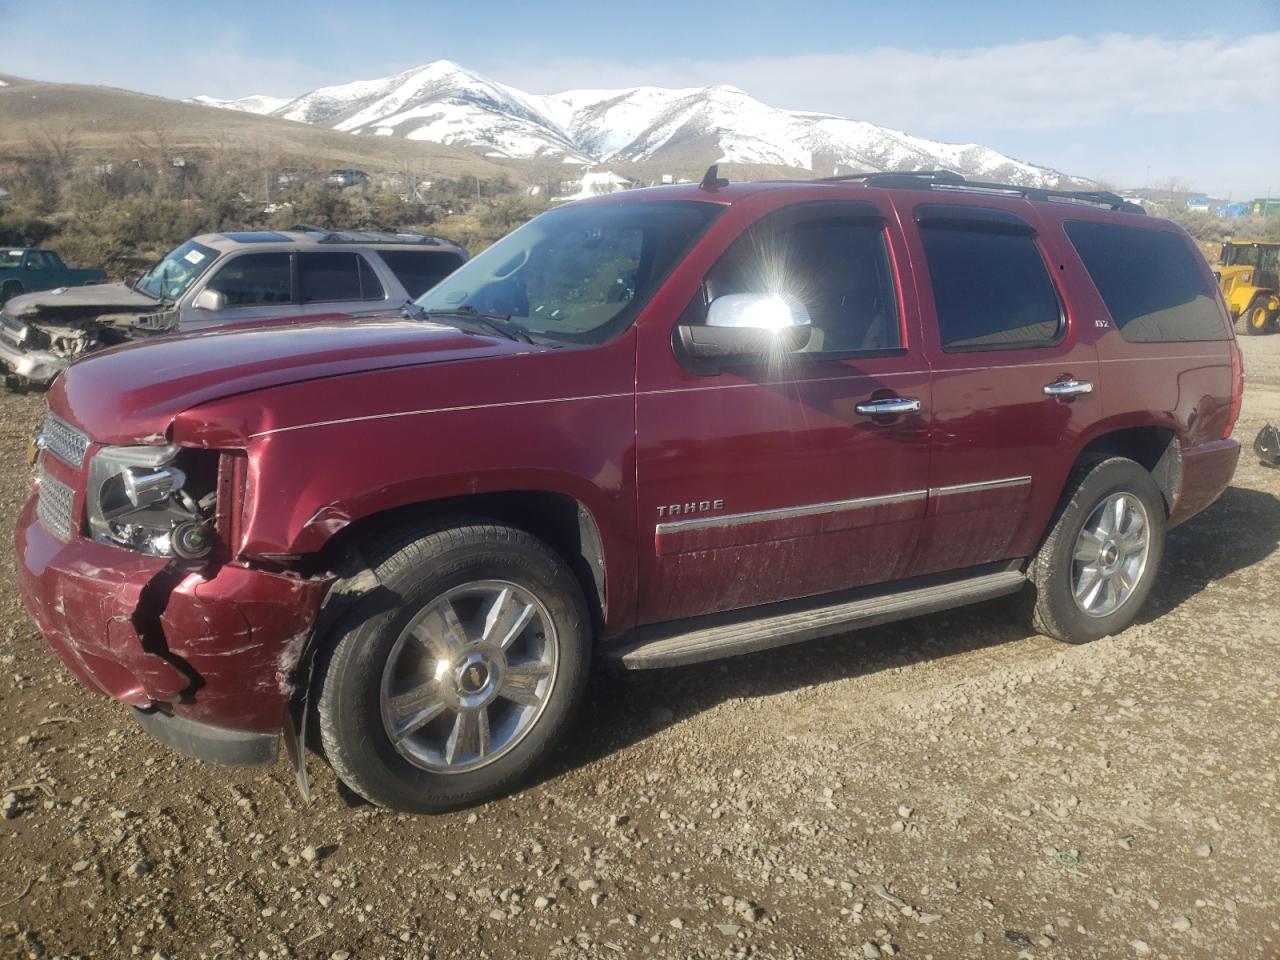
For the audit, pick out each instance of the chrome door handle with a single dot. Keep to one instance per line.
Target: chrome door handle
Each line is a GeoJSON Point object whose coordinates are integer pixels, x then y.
{"type": "Point", "coordinates": [1068, 388]}
{"type": "Point", "coordinates": [888, 406]}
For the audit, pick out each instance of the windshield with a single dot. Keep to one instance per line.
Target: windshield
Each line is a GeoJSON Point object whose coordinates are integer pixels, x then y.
{"type": "Point", "coordinates": [578, 274]}
{"type": "Point", "coordinates": [10, 258]}
{"type": "Point", "coordinates": [170, 278]}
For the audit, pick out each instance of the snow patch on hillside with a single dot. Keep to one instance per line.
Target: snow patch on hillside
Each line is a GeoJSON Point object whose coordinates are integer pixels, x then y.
{"type": "Point", "coordinates": [256, 104]}
{"type": "Point", "coordinates": [443, 102]}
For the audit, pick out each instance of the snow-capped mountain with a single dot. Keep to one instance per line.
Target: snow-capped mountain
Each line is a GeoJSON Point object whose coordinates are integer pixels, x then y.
{"type": "Point", "coordinates": [262, 105]}
{"type": "Point", "coordinates": [446, 103]}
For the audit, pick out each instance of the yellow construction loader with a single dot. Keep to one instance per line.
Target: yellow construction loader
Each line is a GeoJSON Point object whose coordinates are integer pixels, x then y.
{"type": "Point", "coordinates": [1248, 276]}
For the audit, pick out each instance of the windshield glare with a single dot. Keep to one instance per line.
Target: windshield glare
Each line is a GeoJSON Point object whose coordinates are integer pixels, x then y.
{"type": "Point", "coordinates": [170, 278]}
{"type": "Point", "coordinates": [579, 273]}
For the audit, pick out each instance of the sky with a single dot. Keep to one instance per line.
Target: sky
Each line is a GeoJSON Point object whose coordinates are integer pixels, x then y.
{"type": "Point", "coordinates": [1132, 93]}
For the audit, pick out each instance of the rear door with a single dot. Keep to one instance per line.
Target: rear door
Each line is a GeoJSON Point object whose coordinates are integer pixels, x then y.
{"type": "Point", "coordinates": [1014, 370]}
{"type": "Point", "coordinates": [340, 281]}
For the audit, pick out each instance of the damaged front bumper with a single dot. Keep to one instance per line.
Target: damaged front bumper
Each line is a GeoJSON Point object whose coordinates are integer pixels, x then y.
{"type": "Point", "coordinates": [207, 662]}
{"type": "Point", "coordinates": [37, 367]}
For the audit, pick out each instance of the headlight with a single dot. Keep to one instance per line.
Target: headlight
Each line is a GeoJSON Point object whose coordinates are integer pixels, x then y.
{"type": "Point", "coordinates": [143, 499]}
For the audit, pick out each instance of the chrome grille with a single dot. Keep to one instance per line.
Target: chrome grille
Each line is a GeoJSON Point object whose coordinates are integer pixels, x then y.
{"type": "Point", "coordinates": [64, 441]}
{"type": "Point", "coordinates": [55, 506]}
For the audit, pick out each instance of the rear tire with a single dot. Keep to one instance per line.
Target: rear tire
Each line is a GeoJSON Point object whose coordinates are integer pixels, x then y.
{"type": "Point", "coordinates": [1254, 320]}
{"type": "Point", "coordinates": [479, 627]}
{"type": "Point", "coordinates": [1100, 559]}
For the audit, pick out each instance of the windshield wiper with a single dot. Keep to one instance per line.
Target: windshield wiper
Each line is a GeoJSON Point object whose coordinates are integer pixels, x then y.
{"type": "Point", "coordinates": [493, 322]}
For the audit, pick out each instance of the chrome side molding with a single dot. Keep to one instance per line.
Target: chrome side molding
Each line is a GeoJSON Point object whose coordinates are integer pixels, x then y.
{"type": "Point", "coordinates": [979, 486]}
{"type": "Point", "coordinates": [788, 513]}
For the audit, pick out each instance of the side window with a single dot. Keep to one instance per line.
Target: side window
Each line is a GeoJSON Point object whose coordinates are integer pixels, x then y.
{"type": "Point", "coordinates": [36, 260]}
{"type": "Point", "coordinates": [1149, 280]}
{"type": "Point", "coordinates": [254, 279]}
{"type": "Point", "coordinates": [331, 277]}
{"type": "Point", "coordinates": [837, 266]}
{"type": "Point", "coordinates": [420, 270]}
{"type": "Point", "coordinates": [991, 289]}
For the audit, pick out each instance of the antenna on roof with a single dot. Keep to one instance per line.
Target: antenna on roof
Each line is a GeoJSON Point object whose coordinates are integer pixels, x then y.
{"type": "Point", "coordinates": [711, 180]}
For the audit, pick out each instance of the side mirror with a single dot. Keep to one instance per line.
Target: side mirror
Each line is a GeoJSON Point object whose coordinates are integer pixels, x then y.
{"type": "Point", "coordinates": [210, 300]}
{"type": "Point", "coordinates": [741, 325]}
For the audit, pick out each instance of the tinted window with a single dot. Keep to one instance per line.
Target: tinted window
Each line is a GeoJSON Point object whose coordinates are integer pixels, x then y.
{"type": "Point", "coordinates": [990, 287]}
{"type": "Point", "coordinates": [254, 279]}
{"type": "Point", "coordinates": [1150, 281]}
{"type": "Point", "coordinates": [37, 261]}
{"type": "Point", "coordinates": [838, 267]}
{"type": "Point", "coordinates": [337, 276]}
{"type": "Point", "coordinates": [420, 270]}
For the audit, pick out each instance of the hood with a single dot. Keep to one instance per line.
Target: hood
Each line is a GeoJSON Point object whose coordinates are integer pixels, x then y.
{"type": "Point", "coordinates": [73, 303]}
{"type": "Point", "coordinates": [131, 394]}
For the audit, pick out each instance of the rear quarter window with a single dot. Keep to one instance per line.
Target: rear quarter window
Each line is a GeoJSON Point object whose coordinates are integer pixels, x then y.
{"type": "Point", "coordinates": [1150, 282]}
{"type": "Point", "coordinates": [420, 270]}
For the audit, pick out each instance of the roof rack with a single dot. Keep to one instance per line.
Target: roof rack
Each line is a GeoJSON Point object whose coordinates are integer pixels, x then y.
{"type": "Point", "coordinates": [950, 180]}
{"type": "Point", "coordinates": [897, 178]}
{"type": "Point", "coordinates": [325, 235]}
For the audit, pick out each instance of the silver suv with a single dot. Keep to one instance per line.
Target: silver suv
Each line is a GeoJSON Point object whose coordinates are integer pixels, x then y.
{"type": "Point", "coordinates": [224, 279]}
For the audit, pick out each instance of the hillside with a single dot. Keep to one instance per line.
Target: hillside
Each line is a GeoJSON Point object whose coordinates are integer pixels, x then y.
{"type": "Point", "coordinates": [443, 102]}
{"type": "Point", "coordinates": [105, 121]}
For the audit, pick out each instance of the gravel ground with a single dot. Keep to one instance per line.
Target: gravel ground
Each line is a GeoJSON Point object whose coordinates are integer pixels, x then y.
{"type": "Point", "coordinates": [954, 786]}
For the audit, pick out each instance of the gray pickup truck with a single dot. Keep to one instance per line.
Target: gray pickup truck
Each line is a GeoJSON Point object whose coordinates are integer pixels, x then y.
{"type": "Point", "coordinates": [23, 269]}
{"type": "Point", "coordinates": [220, 280]}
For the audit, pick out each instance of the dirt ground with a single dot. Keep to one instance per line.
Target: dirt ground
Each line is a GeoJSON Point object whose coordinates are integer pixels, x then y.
{"type": "Point", "coordinates": [954, 786]}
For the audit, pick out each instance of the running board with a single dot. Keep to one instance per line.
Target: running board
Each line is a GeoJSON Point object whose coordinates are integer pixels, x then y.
{"type": "Point", "coordinates": [714, 636]}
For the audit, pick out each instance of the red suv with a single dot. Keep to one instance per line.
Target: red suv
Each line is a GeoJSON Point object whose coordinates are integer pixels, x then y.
{"type": "Point", "coordinates": [653, 428]}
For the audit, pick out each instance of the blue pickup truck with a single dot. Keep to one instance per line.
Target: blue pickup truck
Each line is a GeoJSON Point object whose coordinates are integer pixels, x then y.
{"type": "Point", "coordinates": [23, 269]}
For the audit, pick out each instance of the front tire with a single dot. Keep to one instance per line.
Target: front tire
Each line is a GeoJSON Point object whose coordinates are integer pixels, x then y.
{"type": "Point", "coordinates": [1099, 562]}
{"type": "Point", "coordinates": [447, 684]}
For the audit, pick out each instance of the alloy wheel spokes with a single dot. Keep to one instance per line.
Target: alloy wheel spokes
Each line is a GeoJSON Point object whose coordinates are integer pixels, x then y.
{"type": "Point", "coordinates": [413, 710]}
{"type": "Point", "coordinates": [469, 676]}
{"type": "Point", "coordinates": [506, 619]}
{"type": "Point", "coordinates": [1110, 555]}
{"type": "Point", "coordinates": [522, 680]}
{"type": "Point", "coordinates": [440, 630]}
{"type": "Point", "coordinates": [468, 737]}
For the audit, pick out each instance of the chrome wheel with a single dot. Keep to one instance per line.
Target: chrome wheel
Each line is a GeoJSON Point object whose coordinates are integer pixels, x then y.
{"type": "Point", "coordinates": [1110, 555]}
{"type": "Point", "coordinates": [469, 676]}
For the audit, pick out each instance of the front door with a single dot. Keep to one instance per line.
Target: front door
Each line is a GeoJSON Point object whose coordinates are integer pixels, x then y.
{"type": "Point", "coordinates": [256, 286]}
{"type": "Point", "coordinates": [1014, 370]}
{"type": "Point", "coordinates": [772, 480]}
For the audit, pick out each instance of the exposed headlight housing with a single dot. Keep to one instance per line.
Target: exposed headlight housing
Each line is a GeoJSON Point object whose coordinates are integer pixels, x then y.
{"type": "Point", "coordinates": [158, 500]}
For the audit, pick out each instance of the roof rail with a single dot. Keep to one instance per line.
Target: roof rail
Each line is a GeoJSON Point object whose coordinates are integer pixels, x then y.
{"type": "Point", "coordinates": [326, 235]}
{"type": "Point", "coordinates": [897, 178]}
{"type": "Point", "coordinates": [950, 180]}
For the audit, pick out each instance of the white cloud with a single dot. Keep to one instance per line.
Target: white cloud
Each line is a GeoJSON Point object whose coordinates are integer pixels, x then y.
{"type": "Point", "coordinates": [1068, 81]}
